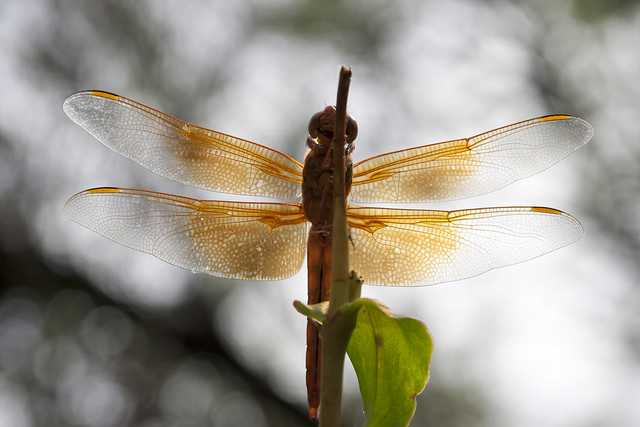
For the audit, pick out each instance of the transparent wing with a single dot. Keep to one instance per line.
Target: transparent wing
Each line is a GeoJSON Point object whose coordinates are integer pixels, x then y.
{"type": "Point", "coordinates": [469, 167]}
{"type": "Point", "coordinates": [258, 241]}
{"type": "Point", "coordinates": [398, 247]}
{"type": "Point", "coordinates": [185, 153]}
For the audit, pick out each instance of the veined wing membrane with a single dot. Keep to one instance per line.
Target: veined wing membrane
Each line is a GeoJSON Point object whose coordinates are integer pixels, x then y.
{"type": "Point", "coordinates": [398, 247]}
{"type": "Point", "coordinates": [469, 167]}
{"type": "Point", "coordinates": [258, 241]}
{"type": "Point", "coordinates": [185, 153]}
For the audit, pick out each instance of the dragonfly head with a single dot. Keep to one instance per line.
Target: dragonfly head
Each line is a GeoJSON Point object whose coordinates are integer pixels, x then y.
{"type": "Point", "coordinates": [323, 123]}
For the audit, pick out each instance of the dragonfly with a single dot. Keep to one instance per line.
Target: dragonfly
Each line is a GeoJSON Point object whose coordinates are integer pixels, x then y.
{"type": "Point", "coordinates": [268, 240]}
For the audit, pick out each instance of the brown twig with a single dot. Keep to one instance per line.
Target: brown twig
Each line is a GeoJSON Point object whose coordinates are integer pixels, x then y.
{"type": "Point", "coordinates": [335, 332]}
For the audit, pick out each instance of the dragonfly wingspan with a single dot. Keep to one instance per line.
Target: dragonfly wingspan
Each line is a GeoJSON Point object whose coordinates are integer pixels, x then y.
{"type": "Point", "coordinates": [185, 153]}
{"type": "Point", "coordinates": [469, 167]}
{"type": "Point", "coordinates": [267, 241]}
{"type": "Point", "coordinates": [402, 247]}
{"type": "Point", "coordinates": [256, 241]}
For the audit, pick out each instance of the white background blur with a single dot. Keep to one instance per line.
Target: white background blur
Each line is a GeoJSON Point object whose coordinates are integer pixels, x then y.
{"type": "Point", "coordinates": [551, 342]}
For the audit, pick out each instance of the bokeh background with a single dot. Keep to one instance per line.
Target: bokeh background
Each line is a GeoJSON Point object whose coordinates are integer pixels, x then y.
{"type": "Point", "coordinates": [95, 334]}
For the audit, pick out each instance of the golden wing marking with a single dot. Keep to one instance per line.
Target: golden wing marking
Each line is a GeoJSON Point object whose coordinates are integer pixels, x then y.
{"type": "Point", "coordinates": [469, 167]}
{"type": "Point", "coordinates": [257, 241]}
{"type": "Point", "coordinates": [185, 153]}
{"type": "Point", "coordinates": [405, 247]}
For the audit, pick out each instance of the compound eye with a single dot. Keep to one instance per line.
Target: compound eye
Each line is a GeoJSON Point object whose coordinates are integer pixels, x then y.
{"type": "Point", "coordinates": [352, 130]}
{"type": "Point", "coordinates": [314, 124]}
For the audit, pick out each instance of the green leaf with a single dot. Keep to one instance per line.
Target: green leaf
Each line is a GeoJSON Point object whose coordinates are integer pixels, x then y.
{"type": "Point", "coordinates": [391, 356]}
{"type": "Point", "coordinates": [317, 312]}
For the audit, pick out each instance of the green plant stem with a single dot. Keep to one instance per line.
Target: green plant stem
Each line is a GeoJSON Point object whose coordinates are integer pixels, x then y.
{"type": "Point", "coordinates": [335, 331]}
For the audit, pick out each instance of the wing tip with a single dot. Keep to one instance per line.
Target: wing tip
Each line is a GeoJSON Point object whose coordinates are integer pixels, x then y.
{"type": "Point", "coordinates": [578, 228]}
{"type": "Point", "coordinates": [581, 125]}
{"type": "Point", "coordinates": [68, 205]}
{"type": "Point", "coordinates": [71, 103]}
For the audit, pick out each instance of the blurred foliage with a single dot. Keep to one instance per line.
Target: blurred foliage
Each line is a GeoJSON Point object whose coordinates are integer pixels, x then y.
{"type": "Point", "coordinates": [72, 355]}
{"type": "Point", "coordinates": [596, 10]}
{"type": "Point", "coordinates": [356, 28]}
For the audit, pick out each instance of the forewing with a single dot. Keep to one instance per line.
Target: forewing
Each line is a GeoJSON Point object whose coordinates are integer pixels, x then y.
{"type": "Point", "coordinates": [399, 247]}
{"type": "Point", "coordinates": [469, 167]}
{"type": "Point", "coordinates": [185, 153]}
{"type": "Point", "coordinates": [257, 241]}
